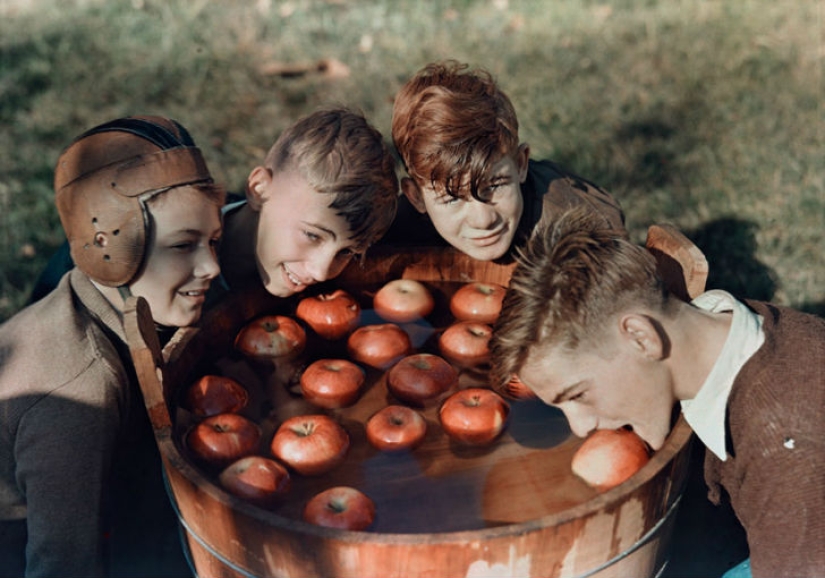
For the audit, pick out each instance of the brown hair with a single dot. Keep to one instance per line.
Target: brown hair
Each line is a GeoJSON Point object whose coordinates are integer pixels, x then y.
{"type": "Point", "coordinates": [573, 275]}
{"type": "Point", "coordinates": [450, 124]}
{"type": "Point", "coordinates": [338, 152]}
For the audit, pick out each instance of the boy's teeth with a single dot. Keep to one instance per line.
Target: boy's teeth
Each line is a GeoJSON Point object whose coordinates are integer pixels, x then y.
{"type": "Point", "coordinates": [292, 277]}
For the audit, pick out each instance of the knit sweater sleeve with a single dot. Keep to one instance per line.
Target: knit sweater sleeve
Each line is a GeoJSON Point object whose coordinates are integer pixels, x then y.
{"type": "Point", "coordinates": [775, 473]}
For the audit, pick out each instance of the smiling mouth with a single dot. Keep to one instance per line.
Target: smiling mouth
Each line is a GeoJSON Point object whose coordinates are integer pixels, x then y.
{"type": "Point", "coordinates": [292, 278]}
{"type": "Point", "coordinates": [193, 293]}
{"type": "Point", "coordinates": [489, 239]}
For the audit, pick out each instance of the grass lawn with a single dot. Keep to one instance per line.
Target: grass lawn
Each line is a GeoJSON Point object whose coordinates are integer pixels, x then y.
{"type": "Point", "coordinates": [704, 113]}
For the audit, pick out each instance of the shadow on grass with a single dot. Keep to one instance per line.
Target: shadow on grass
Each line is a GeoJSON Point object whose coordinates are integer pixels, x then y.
{"type": "Point", "coordinates": [729, 244]}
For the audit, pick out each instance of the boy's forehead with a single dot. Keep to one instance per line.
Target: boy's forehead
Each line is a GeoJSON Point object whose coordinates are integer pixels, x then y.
{"type": "Point", "coordinates": [497, 169]}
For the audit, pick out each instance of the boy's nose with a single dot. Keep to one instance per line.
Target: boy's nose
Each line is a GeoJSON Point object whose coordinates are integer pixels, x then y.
{"type": "Point", "coordinates": [580, 424]}
{"type": "Point", "coordinates": [207, 266]}
{"type": "Point", "coordinates": [481, 215]}
{"type": "Point", "coordinates": [320, 266]}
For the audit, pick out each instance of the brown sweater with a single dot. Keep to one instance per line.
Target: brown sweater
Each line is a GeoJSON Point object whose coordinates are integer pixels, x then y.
{"type": "Point", "coordinates": [775, 471]}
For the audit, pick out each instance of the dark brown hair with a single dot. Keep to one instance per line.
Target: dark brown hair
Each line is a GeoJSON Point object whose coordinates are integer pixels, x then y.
{"type": "Point", "coordinates": [338, 152]}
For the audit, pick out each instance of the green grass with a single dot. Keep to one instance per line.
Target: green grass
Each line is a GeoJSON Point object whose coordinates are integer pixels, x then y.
{"type": "Point", "coordinates": [705, 113]}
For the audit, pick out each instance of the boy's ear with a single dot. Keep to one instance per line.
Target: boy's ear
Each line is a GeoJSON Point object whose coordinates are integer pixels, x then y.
{"type": "Point", "coordinates": [644, 335]}
{"type": "Point", "coordinates": [413, 194]}
{"type": "Point", "coordinates": [257, 187]}
{"type": "Point", "coordinates": [522, 161]}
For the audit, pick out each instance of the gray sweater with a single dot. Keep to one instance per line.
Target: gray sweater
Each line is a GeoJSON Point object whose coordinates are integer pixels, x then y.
{"type": "Point", "coordinates": [70, 410]}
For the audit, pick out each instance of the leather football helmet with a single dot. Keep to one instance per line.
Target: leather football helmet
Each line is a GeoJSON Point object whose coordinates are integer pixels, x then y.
{"type": "Point", "coordinates": [102, 182]}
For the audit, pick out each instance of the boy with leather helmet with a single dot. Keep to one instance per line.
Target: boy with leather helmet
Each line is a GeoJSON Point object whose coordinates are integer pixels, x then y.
{"type": "Point", "coordinates": [78, 462]}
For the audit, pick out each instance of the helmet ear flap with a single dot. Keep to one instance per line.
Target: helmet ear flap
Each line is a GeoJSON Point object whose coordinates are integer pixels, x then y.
{"type": "Point", "coordinates": [102, 181]}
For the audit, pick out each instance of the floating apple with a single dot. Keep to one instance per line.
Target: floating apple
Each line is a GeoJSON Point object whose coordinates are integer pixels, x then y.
{"type": "Point", "coordinates": [271, 336]}
{"type": "Point", "coordinates": [465, 343]}
{"type": "Point", "coordinates": [477, 301]}
{"type": "Point", "coordinates": [332, 383]}
{"type": "Point", "coordinates": [421, 378]}
{"type": "Point", "coordinates": [330, 315]}
{"type": "Point", "coordinates": [403, 301]}
{"type": "Point", "coordinates": [341, 507]}
{"type": "Point", "coordinates": [474, 416]}
{"type": "Point", "coordinates": [396, 428]}
{"type": "Point", "coordinates": [256, 479]}
{"type": "Point", "coordinates": [221, 439]}
{"type": "Point", "coordinates": [379, 345]}
{"type": "Point", "coordinates": [214, 394]}
{"type": "Point", "coordinates": [608, 457]}
{"type": "Point", "coordinates": [310, 444]}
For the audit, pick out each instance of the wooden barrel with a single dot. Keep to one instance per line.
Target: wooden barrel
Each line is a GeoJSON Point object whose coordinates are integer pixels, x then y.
{"type": "Point", "coordinates": [514, 510]}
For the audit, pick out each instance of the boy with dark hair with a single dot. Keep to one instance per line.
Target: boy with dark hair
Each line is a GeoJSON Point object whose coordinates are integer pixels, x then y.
{"type": "Point", "coordinates": [327, 191]}
{"type": "Point", "coordinates": [457, 134]}
{"type": "Point", "coordinates": [590, 328]}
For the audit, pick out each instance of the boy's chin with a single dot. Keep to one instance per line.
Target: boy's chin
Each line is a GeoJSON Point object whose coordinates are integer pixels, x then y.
{"type": "Point", "coordinates": [485, 253]}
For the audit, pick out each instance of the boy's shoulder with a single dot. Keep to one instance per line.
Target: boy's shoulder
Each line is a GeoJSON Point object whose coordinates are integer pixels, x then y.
{"type": "Point", "coordinates": [785, 377]}
{"type": "Point", "coordinates": [550, 189]}
{"type": "Point", "coordinates": [787, 324]}
{"type": "Point", "coordinates": [546, 177]}
{"type": "Point", "coordinates": [59, 337]}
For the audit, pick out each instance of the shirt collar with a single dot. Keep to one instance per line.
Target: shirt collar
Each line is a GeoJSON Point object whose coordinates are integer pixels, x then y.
{"type": "Point", "coordinates": [706, 412]}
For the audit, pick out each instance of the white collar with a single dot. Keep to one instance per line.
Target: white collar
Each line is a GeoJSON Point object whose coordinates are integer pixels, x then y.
{"type": "Point", "coordinates": [706, 412]}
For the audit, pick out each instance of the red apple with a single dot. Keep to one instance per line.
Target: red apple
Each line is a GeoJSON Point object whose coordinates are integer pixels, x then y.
{"type": "Point", "coordinates": [271, 336]}
{"type": "Point", "coordinates": [465, 343]}
{"type": "Point", "coordinates": [341, 507]}
{"type": "Point", "coordinates": [516, 389]}
{"type": "Point", "coordinates": [477, 301]}
{"type": "Point", "coordinates": [403, 300]}
{"type": "Point", "coordinates": [396, 428]}
{"type": "Point", "coordinates": [421, 378]}
{"type": "Point", "coordinates": [214, 394]}
{"type": "Point", "coordinates": [310, 444]}
{"type": "Point", "coordinates": [378, 346]}
{"type": "Point", "coordinates": [332, 383]}
{"type": "Point", "coordinates": [221, 439]}
{"type": "Point", "coordinates": [330, 315]}
{"type": "Point", "coordinates": [608, 457]}
{"type": "Point", "coordinates": [474, 416]}
{"type": "Point", "coordinates": [256, 479]}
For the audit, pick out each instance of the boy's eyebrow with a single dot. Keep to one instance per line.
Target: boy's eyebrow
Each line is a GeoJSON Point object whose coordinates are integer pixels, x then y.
{"type": "Point", "coordinates": [565, 393]}
{"type": "Point", "coordinates": [324, 229]}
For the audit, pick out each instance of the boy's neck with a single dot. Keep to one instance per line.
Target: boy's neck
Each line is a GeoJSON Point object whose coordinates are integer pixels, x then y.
{"type": "Point", "coordinates": [698, 337]}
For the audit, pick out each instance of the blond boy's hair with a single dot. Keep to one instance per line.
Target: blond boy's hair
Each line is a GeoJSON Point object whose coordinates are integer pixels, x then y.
{"type": "Point", "coordinates": [339, 153]}
{"type": "Point", "coordinates": [450, 124]}
{"type": "Point", "coordinates": [572, 277]}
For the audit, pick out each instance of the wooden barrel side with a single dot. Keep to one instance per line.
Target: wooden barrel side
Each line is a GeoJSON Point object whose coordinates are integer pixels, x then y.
{"type": "Point", "coordinates": [621, 532]}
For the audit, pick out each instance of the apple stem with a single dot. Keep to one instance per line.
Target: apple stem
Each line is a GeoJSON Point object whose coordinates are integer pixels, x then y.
{"type": "Point", "coordinates": [305, 429]}
{"type": "Point", "coordinates": [336, 506]}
